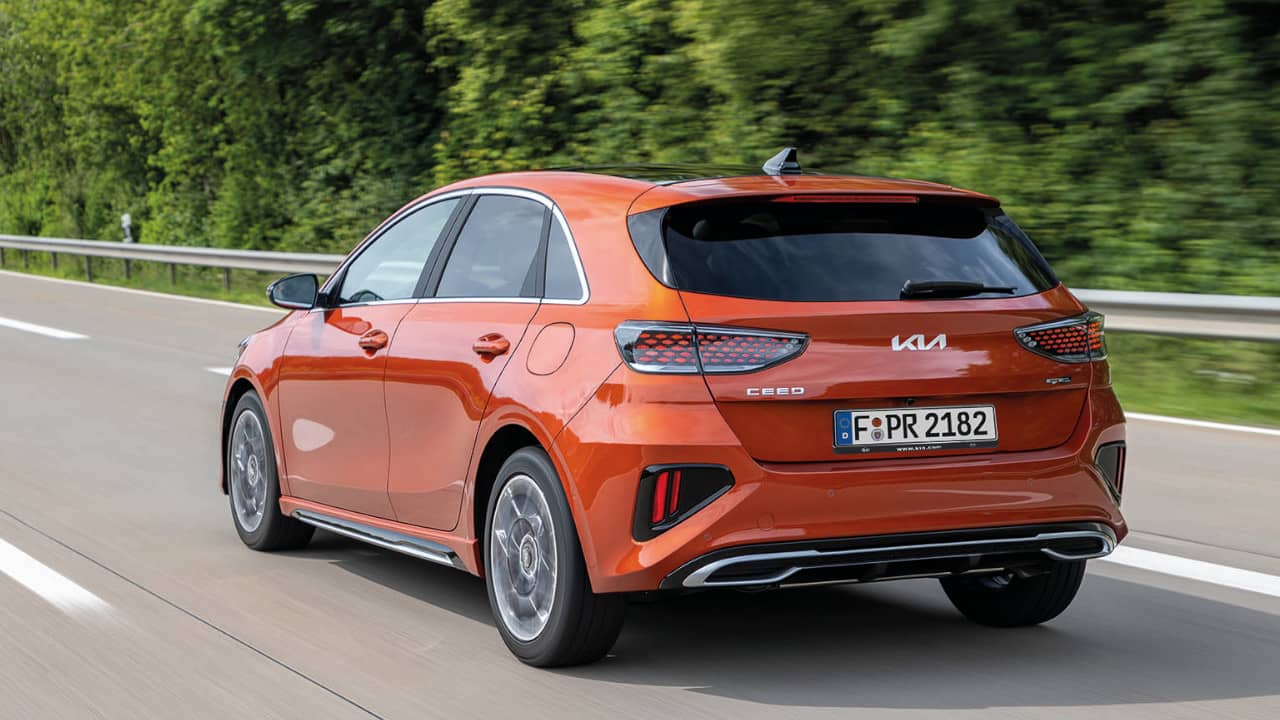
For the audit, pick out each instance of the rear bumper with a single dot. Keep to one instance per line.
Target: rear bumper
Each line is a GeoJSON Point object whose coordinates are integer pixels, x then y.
{"type": "Point", "coordinates": [637, 421]}
{"type": "Point", "coordinates": [886, 557]}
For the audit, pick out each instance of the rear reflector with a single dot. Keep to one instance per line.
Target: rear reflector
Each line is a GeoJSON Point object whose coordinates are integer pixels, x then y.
{"type": "Point", "coordinates": [660, 498]}
{"type": "Point", "coordinates": [670, 493]}
{"type": "Point", "coordinates": [1074, 340]}
{"type": "Point", "coordinates": [657, 347]}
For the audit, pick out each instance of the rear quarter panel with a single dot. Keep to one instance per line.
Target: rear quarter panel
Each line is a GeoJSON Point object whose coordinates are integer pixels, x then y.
{"type": "Point", "coordinates": [620, 288]}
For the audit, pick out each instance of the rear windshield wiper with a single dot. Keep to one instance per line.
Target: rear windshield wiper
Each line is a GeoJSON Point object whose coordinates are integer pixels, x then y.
{"type": "Point", "coordinates": [949, 289]}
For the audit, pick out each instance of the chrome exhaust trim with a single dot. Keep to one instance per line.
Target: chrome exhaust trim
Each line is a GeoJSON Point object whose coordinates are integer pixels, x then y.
{"type": "Point", "coordinates": [1108, 544]}
{"type": "Point", "coordinates": [796, 561]}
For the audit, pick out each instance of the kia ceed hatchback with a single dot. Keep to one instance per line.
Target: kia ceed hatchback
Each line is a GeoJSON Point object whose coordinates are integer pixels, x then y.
{"type": "Point", "coordinates": [584, 384]}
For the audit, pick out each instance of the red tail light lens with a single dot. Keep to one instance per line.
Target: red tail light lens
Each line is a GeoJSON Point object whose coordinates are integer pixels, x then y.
{"type": "Point", "coordinates": [657, 347]}
{"type": "Point", "coordinates": [1074, 340]}
{"type": "Point", "coordinates": [677, 348]}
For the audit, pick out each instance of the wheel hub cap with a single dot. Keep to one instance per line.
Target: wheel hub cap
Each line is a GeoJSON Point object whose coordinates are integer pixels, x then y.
{"type": "Point", "coordinates": [247, 482]}
{"type": "Point", "coordinates": [523, 557]}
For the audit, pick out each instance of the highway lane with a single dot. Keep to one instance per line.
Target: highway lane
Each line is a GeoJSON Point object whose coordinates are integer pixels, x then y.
{"type": "Point", "coordinates": [107, 471]}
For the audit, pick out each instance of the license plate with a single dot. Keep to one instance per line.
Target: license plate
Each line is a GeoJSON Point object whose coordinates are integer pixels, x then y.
{"type": "Point", "coordinates": [914, 429]}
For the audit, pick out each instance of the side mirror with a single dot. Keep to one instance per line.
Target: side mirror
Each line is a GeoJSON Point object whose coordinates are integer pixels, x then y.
{"type": "Point", "coordinates": [294, 292]}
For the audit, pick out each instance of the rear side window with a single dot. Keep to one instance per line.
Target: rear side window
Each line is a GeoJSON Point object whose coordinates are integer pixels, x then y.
{"type": "Point", "coordinates": [389, 268]}
{"type": "Point", "coordinates": [563, 281]}
{"type": "Point", "coordinates": [831, 251]}
{"type": "Point", "coordinates": [495, 252]}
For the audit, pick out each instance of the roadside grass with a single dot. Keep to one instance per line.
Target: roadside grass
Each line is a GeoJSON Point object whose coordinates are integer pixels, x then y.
{"type": "Point", "coordinates": [247, 286]}
{"type": "Point", "coordinates": [1230, 381]}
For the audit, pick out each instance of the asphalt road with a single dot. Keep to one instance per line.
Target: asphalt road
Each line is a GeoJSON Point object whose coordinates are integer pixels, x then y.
{"type": "Point", "coordinates": [149, 606]}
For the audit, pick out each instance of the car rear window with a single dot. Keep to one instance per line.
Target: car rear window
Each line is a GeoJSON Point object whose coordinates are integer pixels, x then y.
{"type": "Point", "coordinates": [835, 251]}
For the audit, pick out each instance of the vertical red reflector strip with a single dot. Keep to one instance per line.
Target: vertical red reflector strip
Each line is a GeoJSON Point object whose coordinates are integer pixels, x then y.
{"type": "Point", "coordinates": [659, 498]}
{"type": "Point", "coordinates": [1120, 469]}
{"type": "Point", "coordinates": [675, 493]}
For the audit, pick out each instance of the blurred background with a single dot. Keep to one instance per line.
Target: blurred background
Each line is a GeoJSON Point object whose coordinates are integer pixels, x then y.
{"type": "Point", "coordinates": [1138, 142]}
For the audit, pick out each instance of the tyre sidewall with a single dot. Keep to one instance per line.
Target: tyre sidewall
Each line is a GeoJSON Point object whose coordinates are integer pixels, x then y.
{"type": "Point", "coordinates": [570, 567]}
{"type": "Point", "coordinates": [271, 514]}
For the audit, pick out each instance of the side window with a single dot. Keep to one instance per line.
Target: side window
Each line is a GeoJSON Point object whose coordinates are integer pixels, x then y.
{"type": "Point", "coordinates": [562, 281]}
{"type": "Point", "coordinates": [390, 267]}
{"type": "Point", "coordinates": [494, 254]}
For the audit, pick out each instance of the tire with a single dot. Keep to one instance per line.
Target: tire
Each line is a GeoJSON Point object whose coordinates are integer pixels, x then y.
{"type": "Point", "coordinates": [579, 626]}
{"type": "Point", "coordinates": [253, 487]}
{"type": "Point", "coordinates": [1016, 601]}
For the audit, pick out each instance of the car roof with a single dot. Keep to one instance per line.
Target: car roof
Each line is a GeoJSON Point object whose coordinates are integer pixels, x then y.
{"type": "Point", "coordinates": [649, 187]}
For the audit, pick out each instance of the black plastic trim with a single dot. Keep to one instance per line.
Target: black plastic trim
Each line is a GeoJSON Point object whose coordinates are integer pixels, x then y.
{"type": "Point", "coordinates": [642, 528]}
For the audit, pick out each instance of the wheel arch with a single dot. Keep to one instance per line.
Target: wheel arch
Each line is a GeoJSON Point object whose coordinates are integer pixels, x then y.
{"type": "Point", "coordinates": [513, 434]}
{"type": "Point", "coordinates": [242, 383]}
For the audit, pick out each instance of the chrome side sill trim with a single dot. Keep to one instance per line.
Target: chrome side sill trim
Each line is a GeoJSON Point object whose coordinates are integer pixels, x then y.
{"type": "Point", "coordinates": [702, 576]}
{"type": "Point", "coordinates": [387, 539]}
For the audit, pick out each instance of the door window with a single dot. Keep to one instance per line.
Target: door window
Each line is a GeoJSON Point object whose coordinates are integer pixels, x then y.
{"type": "Point", "coordinates": [563, 282]}
{"type": "Point", "coordinates": [389, 268]}
{"type": "Point", "coordinates": [495, 252]}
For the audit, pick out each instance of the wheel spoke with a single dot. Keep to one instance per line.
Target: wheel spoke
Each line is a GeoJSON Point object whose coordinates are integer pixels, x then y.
{"type": "Point", "coordinates": [522, 564]}
{"type": "Point", "coordinates": [247, 482]}
{"type": "Point", "coordinates": [501, 536]}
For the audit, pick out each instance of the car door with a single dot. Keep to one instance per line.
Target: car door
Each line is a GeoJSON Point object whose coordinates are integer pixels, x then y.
{"type": "Point", "coordinates": [453, 346]}
{"type": "Point", "coordinates": [332, 408]}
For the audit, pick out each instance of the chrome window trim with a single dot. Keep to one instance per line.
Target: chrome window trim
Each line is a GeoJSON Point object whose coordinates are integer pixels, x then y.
{"type": "Point", "coordinates": [564, 225]}
{"type": "Point", "coordinates": [525, 300]}
{"type": "Point", "coordinates": [577, 262]}
{"type": "Point", "coordinates": [377, 233]}
{"type": "Point", "coordinates": [371, 303]}
{"type": "Point", "coordinates": [465, 192]}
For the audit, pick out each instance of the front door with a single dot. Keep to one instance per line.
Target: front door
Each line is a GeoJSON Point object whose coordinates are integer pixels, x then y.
{"type": "Point", "coordinates": [332, 409]}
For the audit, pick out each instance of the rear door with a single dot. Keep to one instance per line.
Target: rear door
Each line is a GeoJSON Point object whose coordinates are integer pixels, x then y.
{"type": "Point", "coordinates": [452, 347]}
{"type": "Point", "coordinates": [835, 270]}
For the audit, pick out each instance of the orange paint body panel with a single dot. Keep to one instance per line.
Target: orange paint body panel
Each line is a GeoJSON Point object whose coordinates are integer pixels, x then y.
{"type": "Point", "coordinates": [394, 438]}
{"type": "Point", "coordinates": [333, 417]}
{"type": "Point", "coordinates": [437, 389]}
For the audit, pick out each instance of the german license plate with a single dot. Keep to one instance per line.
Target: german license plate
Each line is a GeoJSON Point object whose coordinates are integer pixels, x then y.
{"type": "Point", "coordinates": [914, 429]}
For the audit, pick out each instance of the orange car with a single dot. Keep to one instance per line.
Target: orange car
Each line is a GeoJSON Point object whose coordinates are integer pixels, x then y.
{"type": "Point", "coordinates": [585, 384]}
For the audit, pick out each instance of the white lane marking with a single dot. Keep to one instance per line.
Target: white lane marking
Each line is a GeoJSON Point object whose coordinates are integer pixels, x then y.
{"type": "Point", "coordinates": [40, 329]}
{"type": "Point", "coordinates": [148, 293]}
{"type": "Point", "coordinates": [1196, 570]}
{"type": "Point", "coordinates": [1203, 424]}
{"type": "Point", "coordinates": [220, 370]}
{"type": "Point", "coordinates": [47, 583]}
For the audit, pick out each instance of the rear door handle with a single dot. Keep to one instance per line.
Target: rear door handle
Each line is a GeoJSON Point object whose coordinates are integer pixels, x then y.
{"type": "Point", "coordinates": [373, 341]}
{"type": "Point", "coordinates": [491, 344]}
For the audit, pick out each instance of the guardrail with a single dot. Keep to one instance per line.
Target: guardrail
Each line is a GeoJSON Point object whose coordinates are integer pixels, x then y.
{"type": "Point", "coordinates": [1180, 314]}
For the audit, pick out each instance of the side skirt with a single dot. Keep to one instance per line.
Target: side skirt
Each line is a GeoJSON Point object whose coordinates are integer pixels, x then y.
{"type": "Point", "coordinates": [388, 534]}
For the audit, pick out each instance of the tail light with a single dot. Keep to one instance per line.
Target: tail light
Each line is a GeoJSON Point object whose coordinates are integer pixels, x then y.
{"type": "Point", "coordinates": [658, 347]}
{"type": "Point", "coordinates": [670, 493]}
{"type": "Point", "coordinates": [1110, 461]}
{"type": "Point", "coordinates": [1074, 340]}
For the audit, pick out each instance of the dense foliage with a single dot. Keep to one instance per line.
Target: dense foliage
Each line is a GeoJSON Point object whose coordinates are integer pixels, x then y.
{"type": "Point", "coordinates": [1137, 141]}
